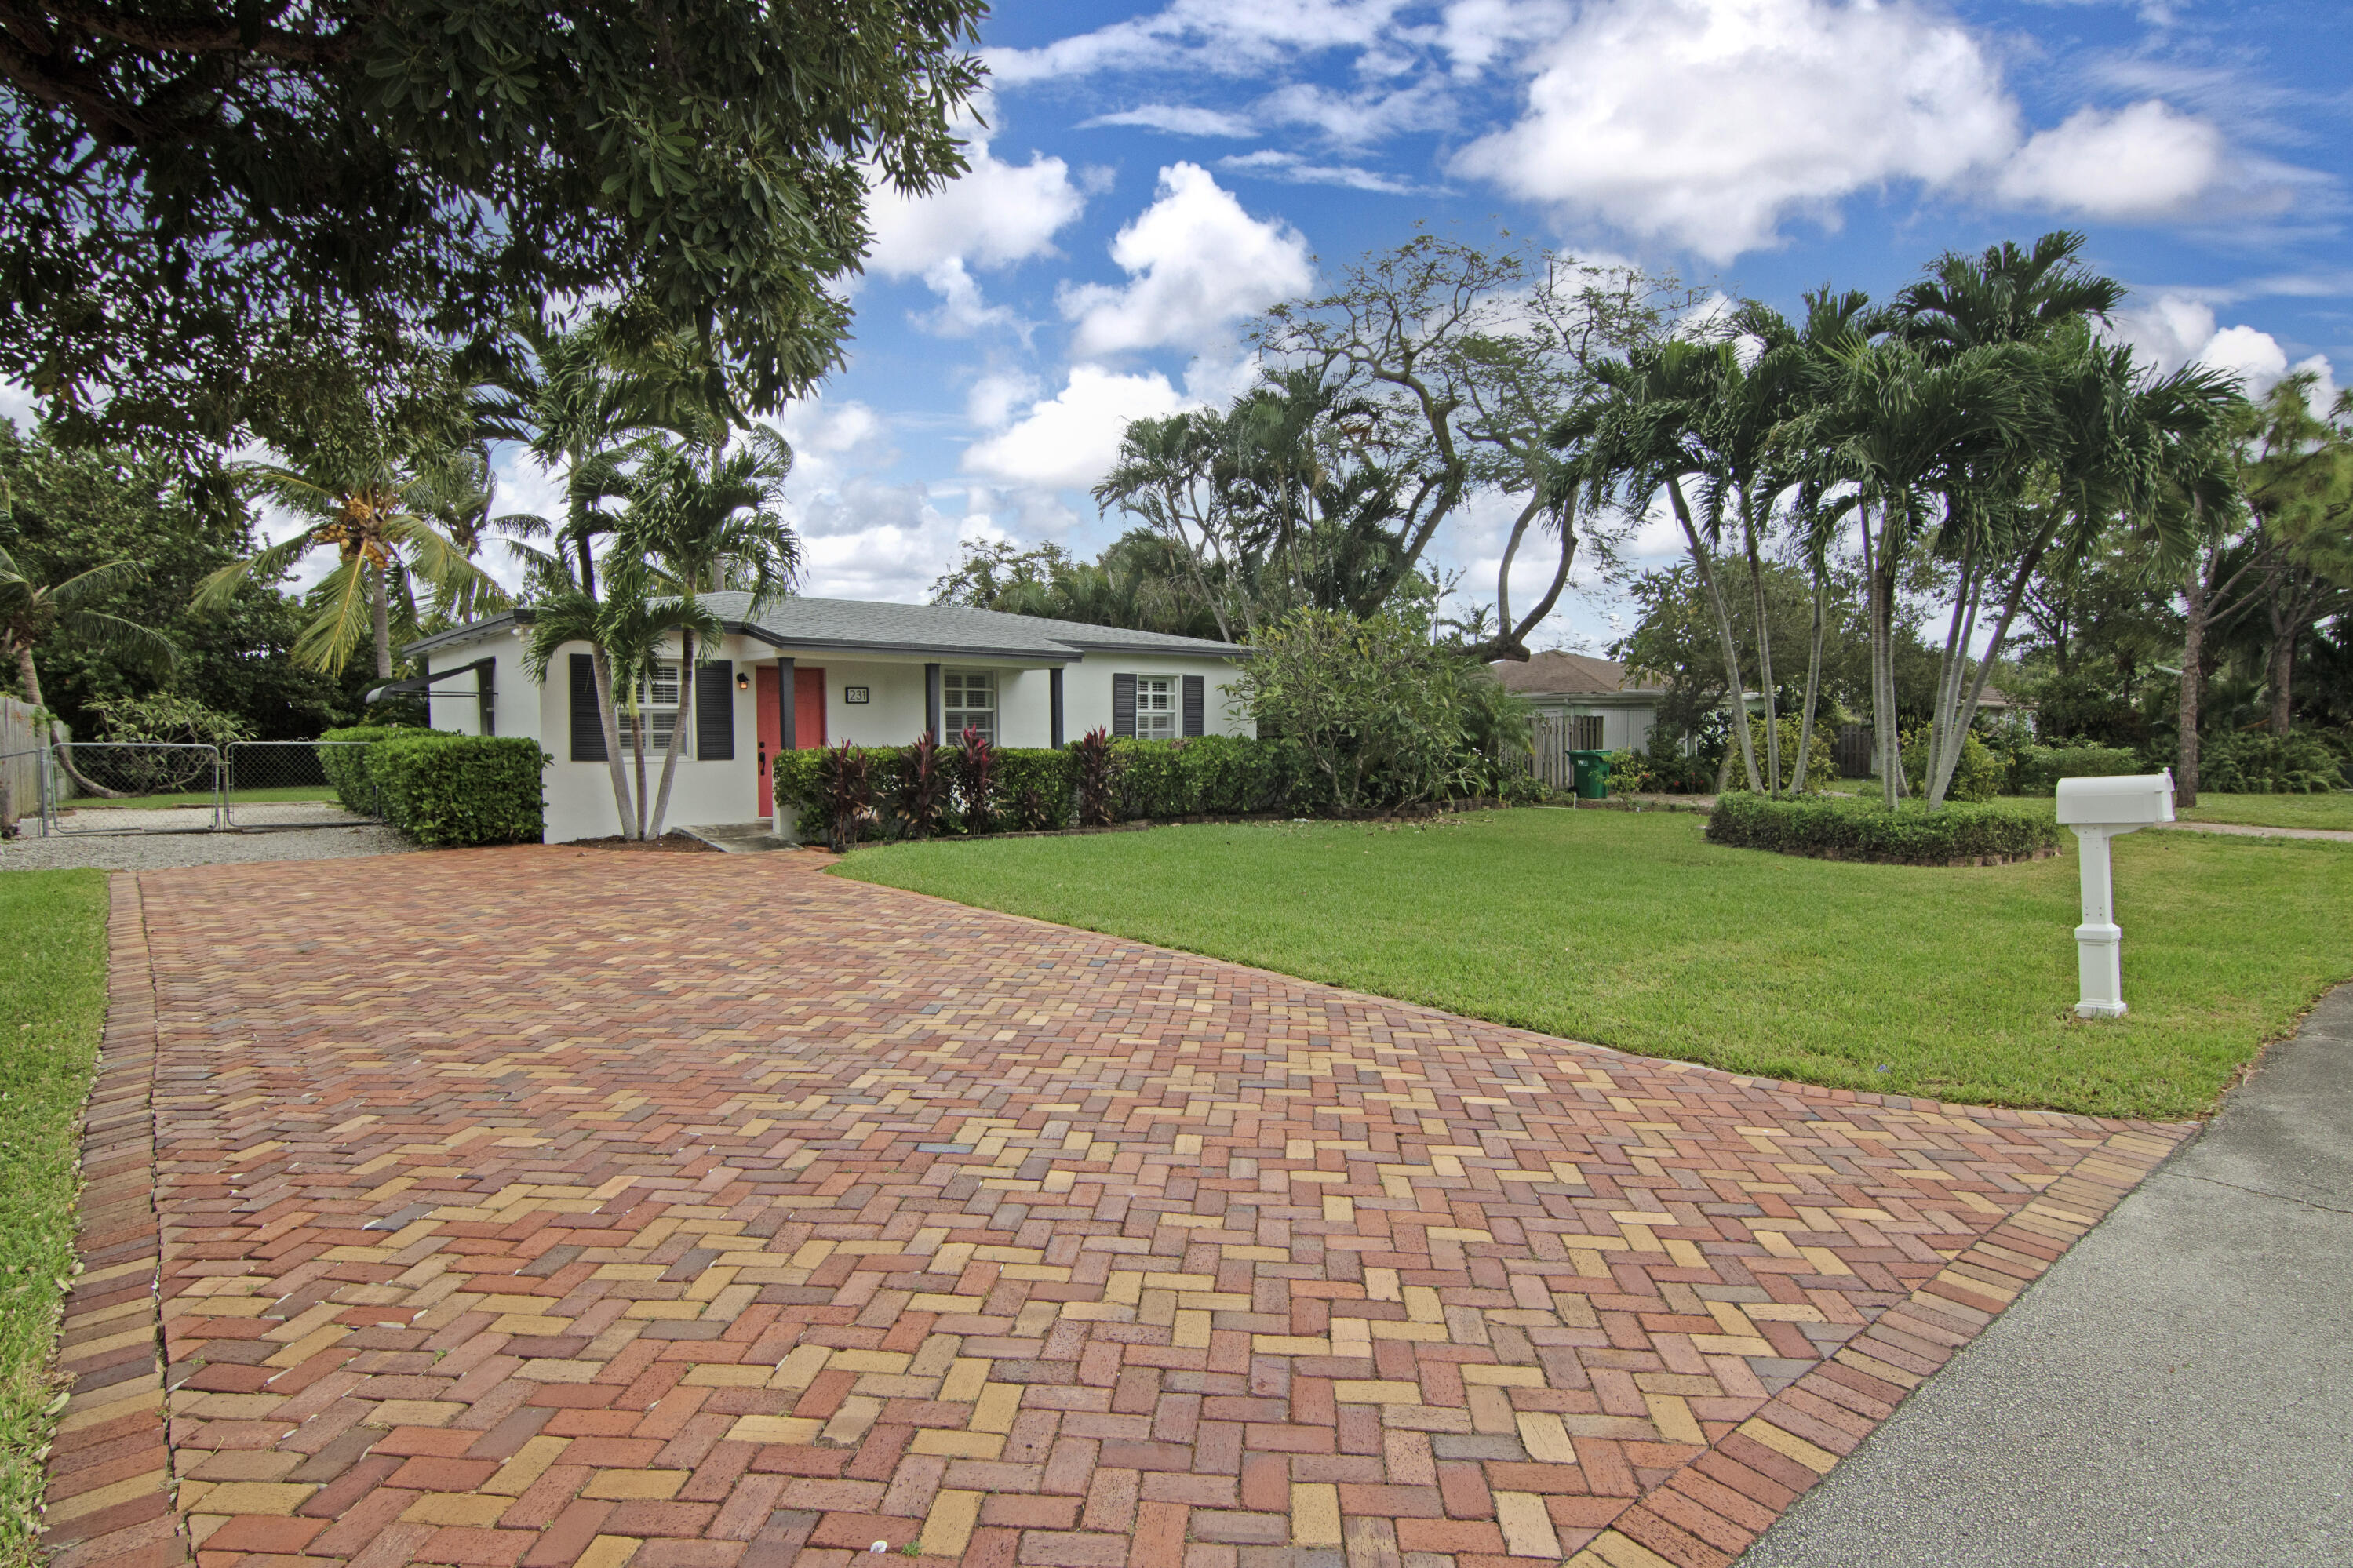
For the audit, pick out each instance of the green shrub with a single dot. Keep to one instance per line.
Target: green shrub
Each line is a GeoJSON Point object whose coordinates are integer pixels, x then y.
{"type": "Point", "coordinates": [1028, 787]}
{"type": "Point", "coordinates": [2037, 770]}
{"type": "Point", "coordinates": [445, 790]}
{"type": "Point", "coordinates": [1979, 775]}
{"type": "Point", "coordinates": [2264, 763]}
{"type": "Point", "coordinates": [1848, 829]}
{"type": "Point", "coordinates": [1217, 775]}
{"type": "Point", "coordinates": [177, 721]}
{"type": "Point", "coordinates": [1821, 767]}
{"type": "Point", "coordinates": [1663, 769]}
{"type": "Point", "coordinates": [345, 761]}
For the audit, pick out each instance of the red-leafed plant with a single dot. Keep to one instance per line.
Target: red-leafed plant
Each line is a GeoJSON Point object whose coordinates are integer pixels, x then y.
{"type": "Point", "coordinates": [979, 761]}
{"type": "Point", "coordinates": [1095, 794]}
{"type": "Point", "coordinates": [849, 792]}
{"type": "Point", "coordinates": [923, 788]}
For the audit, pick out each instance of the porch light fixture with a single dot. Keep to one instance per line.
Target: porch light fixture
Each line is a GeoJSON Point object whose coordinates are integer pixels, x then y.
{"type": "Point", "coordinates": [743, 680]}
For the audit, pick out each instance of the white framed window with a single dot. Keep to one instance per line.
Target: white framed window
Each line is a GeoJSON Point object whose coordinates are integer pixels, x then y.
{"type": "Point", "coordinates": [968, 701]}
{"type": "Point", "coordinates": [656, 705]}
{"type": "Point", "coordinates": [1156, 707]}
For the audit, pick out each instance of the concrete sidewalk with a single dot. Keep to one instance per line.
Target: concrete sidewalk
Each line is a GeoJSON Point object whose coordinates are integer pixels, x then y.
{"type": "Point", "coordinates": [2177, 1389]}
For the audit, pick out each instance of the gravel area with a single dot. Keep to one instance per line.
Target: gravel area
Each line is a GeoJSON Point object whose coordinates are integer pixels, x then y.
{"type": "Point", "coordinates": [158, 851]}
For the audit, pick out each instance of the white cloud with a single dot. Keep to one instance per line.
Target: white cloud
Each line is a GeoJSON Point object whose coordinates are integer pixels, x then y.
{"type": "Point", "coordinates": [2176, 329]}
{"type": "Point", "coordinates": [1231, 37]}
{"type": "Point", "coordinates": [1069, 440]}
{"type": "Point", "coordinates": [961, 311]}
{"type": "Point", "coordinates": [1177, 120]}
{"type": "Point", "coordinates": [993, 398]}
{"type": "Point", "coordinates": [996, 215]}
{"type": "Point", "coordinates": [2147, 161]}
{"type": "Point", "coordinates": [1712, 121]}
{"type": "Point", "coordinates": [1196, 263]}
{"type": "Point", "coordinates": [1290, 167]}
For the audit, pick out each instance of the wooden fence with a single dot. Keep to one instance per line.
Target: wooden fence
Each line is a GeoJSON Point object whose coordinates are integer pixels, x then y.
{"type": "Point", "coordinates": [1549, 738]}
{"type": "Point", "coordinates": [19, 768]}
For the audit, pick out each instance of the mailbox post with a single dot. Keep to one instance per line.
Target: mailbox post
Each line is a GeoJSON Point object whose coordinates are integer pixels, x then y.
{"type": "Point", "coordinates": [2098, 810]}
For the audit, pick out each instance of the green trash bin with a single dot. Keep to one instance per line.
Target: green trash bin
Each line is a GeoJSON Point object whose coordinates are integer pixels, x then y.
{"type": "Point", "coordinates": [1591, 773]}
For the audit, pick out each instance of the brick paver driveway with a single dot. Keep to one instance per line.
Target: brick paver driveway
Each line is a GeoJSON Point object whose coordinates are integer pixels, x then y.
{"type": "Point", "coordinates": [553, 1206]}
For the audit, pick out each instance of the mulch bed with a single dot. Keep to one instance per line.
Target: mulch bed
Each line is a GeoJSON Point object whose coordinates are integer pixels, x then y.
{"type": "Point", "coordinates": [668, 844]}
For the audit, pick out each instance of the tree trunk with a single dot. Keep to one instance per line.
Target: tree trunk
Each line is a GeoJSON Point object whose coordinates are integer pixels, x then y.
{"type": "Point", "coordinates": [1884, 738]}
{"type": "Point", "coordinates": [625, 811]}
{"type": "Point", "coordinates": [677, 730]}
{"type": "Point", "coordinates": [30, 679]}
{"type": "Point", "coordinates": [382, 615]}
{"type": "Point", "coordinates": [2016, 596]}
{"type": "Point", "coordinates": [2286, 625]}
{"type": "Point", "coordinates": [1764, 658]}
{"type": "Point", "coordinates": [1510, 641]}
{"type": "Point", "coordinates": [1813, 687]}
{"type": "Point", "coordinates": [2193, 657]}
{"type": "Point", "coordinates": [1735, 694]}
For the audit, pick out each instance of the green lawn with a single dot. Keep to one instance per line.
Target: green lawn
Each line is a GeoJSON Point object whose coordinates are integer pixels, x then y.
{"type": "Point", "coordinates": [1630, 930]}
{"type": "Point", "coordinates": [165, 802]}
{"type": "Point", "coordinates": [52, 1007]}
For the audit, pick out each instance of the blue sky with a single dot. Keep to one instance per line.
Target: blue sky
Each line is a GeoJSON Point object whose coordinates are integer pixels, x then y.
{"type": "Point", "coordinates": [1153, 174]}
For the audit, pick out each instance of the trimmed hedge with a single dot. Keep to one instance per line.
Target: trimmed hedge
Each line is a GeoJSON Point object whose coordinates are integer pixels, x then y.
{"type": "Point", "coordinates": [448, 790]}
{"type": "Point", "coordinates": [346, 766]}
{"type": "Point", "coordinates": [440, 789]}
{"type": "Point", "coordinates": [1857, 830]}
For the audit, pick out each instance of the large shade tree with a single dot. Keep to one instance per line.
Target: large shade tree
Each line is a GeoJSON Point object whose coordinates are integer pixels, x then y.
{"type": "Point", "coordinates": [201, 197]}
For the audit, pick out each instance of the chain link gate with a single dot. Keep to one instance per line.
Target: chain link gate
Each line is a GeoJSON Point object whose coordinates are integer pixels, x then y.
{"type": "Point", "coordinates": [132, 786]}
{"type": "Point", "coordinates": [295, 784]}
{"type": "Point", "coordinates": [144, 786]}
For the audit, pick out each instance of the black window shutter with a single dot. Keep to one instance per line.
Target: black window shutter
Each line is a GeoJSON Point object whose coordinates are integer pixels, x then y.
{"type": "Point", "coordinates": [1195, 695]}
{"type": "Point", "coordinates": [714, 711]}
{"type": "Point", "coordinates": [587, 724]}
{"type": "Point", "coordinates": [1123, 706]}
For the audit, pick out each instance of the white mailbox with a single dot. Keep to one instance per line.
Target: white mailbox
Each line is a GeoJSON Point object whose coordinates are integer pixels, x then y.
{"type": "Point", "coordinates": [2099, 809]}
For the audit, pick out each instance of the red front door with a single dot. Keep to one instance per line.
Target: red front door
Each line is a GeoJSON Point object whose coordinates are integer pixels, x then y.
{"type": "Point", "coordinates": [808, 719]}
{"type": "Point", "coordinates": [772, 731]}
{"type": "Point", "coordinates": [809, 706]}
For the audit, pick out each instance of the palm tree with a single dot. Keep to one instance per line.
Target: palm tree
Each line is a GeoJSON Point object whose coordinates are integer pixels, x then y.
{"type": "Point", "coordinates": [31, 613]}
{"type": "Point", "coordinates": [1907, 431]}
{"type": "Point", "coordinates": [1647, 433]}
{"type": "Point", "coordinates": [569, 616]}
{"type": "Point", "coordinates": [702, 519]}
{"type": "Point", "coordinates": [375, 507]}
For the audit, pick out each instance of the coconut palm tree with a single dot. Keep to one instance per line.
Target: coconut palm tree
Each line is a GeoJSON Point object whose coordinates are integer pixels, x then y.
{"type": "Point", "coordinates": [375, 506]}
{"type": "Point", "coordinates": [568, 616]}
{"type": "Point", "coordinates": [31, 613]}
{"type": "Point", "coordinates": [703, 518]}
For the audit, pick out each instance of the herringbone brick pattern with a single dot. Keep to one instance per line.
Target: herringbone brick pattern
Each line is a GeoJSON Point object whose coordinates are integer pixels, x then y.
{"type": "Point", "coordinates": [541, 1206]}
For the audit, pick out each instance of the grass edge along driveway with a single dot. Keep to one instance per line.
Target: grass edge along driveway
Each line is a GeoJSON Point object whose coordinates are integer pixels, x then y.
{"type": "Point", "coordinates": [52, 1012]}
{"type": "Point", "coordinates": [1630, 930]}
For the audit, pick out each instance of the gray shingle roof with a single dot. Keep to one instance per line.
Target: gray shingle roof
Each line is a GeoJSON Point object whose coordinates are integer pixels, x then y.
{"type": "Point", "coordinates": [912, 628]}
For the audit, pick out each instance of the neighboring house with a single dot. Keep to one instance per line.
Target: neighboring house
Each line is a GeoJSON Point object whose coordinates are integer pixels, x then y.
{"type": "Point", "coordinates": [874, 674]}
{"type": "Point", "coordinates": [1606, 709]}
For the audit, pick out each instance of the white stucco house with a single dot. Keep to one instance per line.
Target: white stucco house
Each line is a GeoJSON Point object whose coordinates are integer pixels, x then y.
{"type": "Point", "coordinates": [815, 672]}
{"type": "Point", "coordinates": [1607, 708]}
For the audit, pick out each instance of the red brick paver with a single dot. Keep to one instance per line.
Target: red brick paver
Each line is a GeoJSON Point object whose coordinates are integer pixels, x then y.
{"type": "Point", "coordinates": [546, 1206]}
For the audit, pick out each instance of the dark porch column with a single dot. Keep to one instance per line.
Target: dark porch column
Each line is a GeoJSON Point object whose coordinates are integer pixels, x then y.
{"type": "Point", "coordinates": [932, 702]}
{"type": "Point", "coordinates": [1054, 706]}
{"type": "Point", "coordinates": [787, 708]}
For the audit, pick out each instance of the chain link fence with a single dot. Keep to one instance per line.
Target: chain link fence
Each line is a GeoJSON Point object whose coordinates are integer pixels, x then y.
{"type": "Point", "coordinates": [155, 786]}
